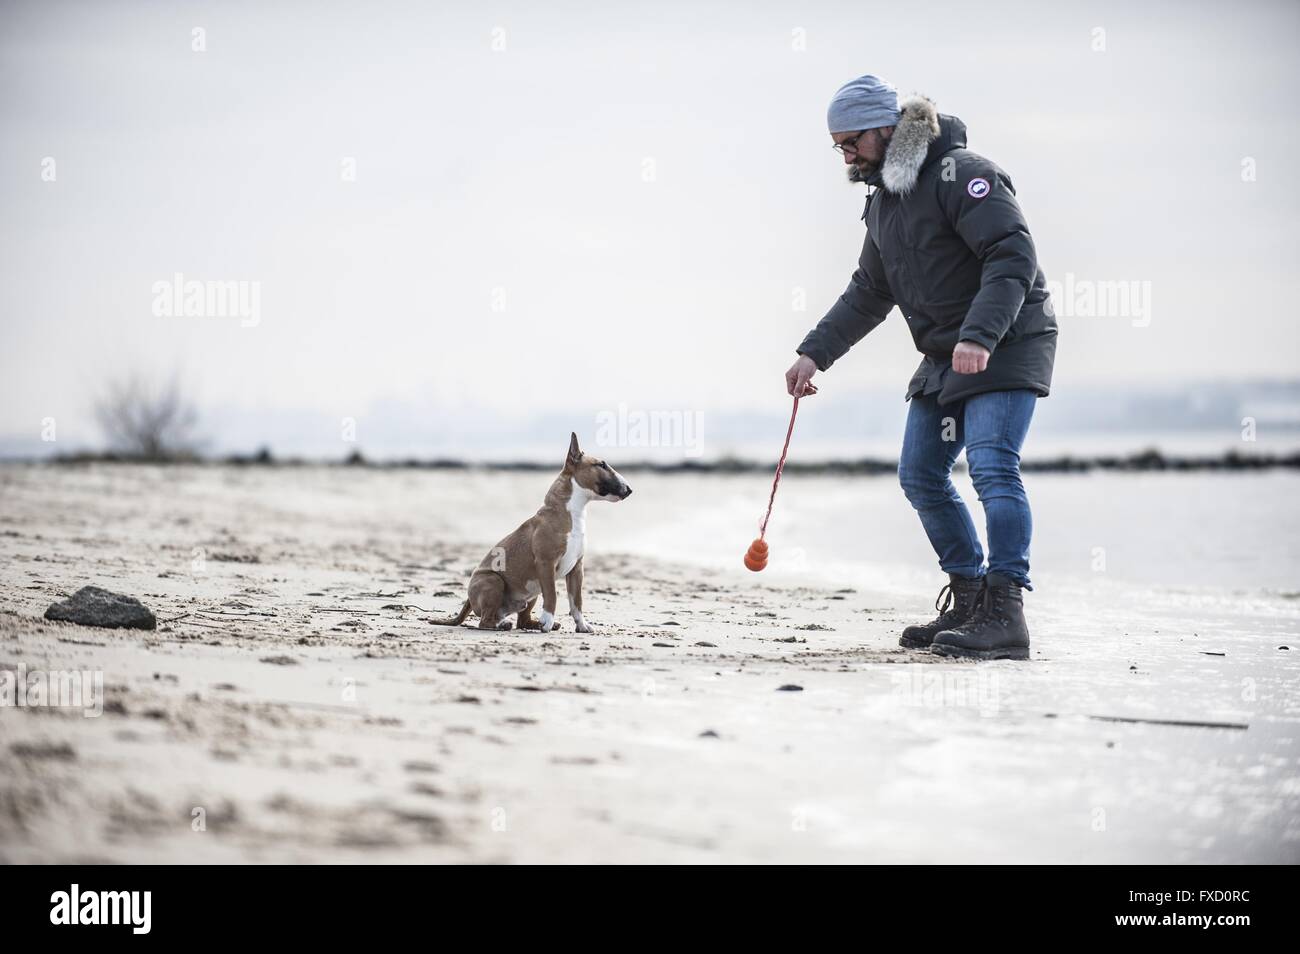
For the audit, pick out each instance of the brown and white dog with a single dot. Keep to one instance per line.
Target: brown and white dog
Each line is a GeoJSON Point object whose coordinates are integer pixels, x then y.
{"type": "Point", "coordinates": [546, 546]}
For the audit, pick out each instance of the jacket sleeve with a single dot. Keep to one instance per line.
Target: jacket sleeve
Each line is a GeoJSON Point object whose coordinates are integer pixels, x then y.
{"type": "Point", "coordinates": [864, 304]}
{"type": "Point", "coordinates": [981, 205]}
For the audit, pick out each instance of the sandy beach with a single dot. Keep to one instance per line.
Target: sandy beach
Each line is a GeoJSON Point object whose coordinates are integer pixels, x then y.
{"type": "Point", "coordinates": [295, 704]}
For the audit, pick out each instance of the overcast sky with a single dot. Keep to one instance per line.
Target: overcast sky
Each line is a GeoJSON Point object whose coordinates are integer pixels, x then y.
{"type": "Point", "coordinates": [558, 208]}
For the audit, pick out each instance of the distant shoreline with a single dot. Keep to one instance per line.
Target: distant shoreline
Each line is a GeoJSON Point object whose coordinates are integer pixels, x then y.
{"type": "Point", "coordinates": [1151, 460]}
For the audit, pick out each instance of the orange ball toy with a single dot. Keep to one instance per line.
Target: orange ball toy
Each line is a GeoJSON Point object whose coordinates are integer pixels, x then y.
{"type": "Point", "coordinates": [756, 555]}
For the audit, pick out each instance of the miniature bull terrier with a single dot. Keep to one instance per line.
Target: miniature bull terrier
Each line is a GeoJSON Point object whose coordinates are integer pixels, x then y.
{"type": "Point", "coordinates": [546, 546]}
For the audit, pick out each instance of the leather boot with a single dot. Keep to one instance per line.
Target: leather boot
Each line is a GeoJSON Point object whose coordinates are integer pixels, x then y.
{"type": "Point", "coordinates": [955, 604]}
{"type": "Point", "coordinates": [997, 630]}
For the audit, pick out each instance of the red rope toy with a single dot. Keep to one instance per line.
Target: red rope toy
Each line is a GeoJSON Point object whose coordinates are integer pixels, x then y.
{"type": "Point", "coordinates": [756, 555]}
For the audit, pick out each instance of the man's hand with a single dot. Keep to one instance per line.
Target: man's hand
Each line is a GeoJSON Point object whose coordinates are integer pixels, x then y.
{"type": "Point", "coordinates": [798, 380]}
{"type": "Point", "coordinates": [969, 358]}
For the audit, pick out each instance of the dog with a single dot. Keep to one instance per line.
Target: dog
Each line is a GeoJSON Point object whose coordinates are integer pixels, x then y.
{"type": "Point", "coordinates": [546, 546]}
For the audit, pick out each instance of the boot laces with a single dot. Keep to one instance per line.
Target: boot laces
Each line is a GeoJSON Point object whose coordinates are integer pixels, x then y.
{"type": "Point", "coordinates": [983, 602]}
{"type": "Point", "coordinates": [989, 602]}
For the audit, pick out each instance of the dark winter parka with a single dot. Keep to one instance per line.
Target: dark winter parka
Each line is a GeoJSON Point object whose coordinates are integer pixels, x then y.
{"type": "Point", "coordinates": [947, 243]}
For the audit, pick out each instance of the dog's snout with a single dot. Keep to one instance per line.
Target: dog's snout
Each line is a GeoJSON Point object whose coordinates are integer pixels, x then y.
{"type": "Point", "coordinates": [627, 492]}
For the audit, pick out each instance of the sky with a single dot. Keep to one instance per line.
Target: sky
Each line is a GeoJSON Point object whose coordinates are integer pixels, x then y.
{"type": "Point", "coordinates": [463, 218]}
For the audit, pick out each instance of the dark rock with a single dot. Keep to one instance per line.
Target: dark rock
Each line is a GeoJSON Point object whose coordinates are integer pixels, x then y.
{"type": "Point", "coordinates": [92, 606]}
{"type": "Point", "coordinates": [56, 751]}
{"type": "Point", "coordinates": [790, 687]}
{"type": "Point", "coordinates": [279, 660]}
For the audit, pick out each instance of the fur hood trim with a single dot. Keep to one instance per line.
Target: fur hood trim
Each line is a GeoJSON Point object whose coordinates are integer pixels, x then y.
{"type": "Point", "coordinates": [917, 127]}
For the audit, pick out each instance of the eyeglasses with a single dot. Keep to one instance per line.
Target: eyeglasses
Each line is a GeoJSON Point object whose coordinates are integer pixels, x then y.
{"type": "Point", "coordinates": [849, 145]}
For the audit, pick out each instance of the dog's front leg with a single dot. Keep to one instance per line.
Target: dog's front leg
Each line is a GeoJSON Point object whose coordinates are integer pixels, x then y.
{"type": "Point", "coordinates": [546, 577]}
{"type": "Point", "coordinates": [573, 582]}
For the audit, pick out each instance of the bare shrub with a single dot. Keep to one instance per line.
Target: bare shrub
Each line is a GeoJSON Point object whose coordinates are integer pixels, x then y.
{"type": "Point", "coordinates": [146, 420]}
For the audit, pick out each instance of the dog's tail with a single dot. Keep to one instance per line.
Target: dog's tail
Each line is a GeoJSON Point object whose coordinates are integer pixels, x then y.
{"type": "Point", "coordinates": [453, 620]}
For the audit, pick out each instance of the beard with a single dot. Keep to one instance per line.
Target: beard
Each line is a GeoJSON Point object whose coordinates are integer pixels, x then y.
{"type": "Point", "coordinates": [863, 169]}
{"type": "Point", "coordinates": [863, 172]}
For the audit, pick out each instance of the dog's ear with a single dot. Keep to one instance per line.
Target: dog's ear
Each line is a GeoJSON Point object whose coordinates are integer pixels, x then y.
{"type": "Point", "coordinates": [575, 452]}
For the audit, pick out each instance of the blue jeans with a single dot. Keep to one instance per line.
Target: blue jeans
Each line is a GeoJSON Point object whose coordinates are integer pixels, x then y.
{"type": "Point", "coordinates": [991, 426]}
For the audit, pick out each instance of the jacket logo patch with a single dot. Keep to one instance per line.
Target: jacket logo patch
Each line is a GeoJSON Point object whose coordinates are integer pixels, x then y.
{"type": "Point", "coordinates": [977, 188]}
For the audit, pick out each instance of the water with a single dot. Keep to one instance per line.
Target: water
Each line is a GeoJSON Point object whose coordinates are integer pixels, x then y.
{"type": "Point", "coordinates": [1238, 531]}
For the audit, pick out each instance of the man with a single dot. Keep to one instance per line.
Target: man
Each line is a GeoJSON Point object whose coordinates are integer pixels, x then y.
{"type": "Point", "coordinates": [947, 243]}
